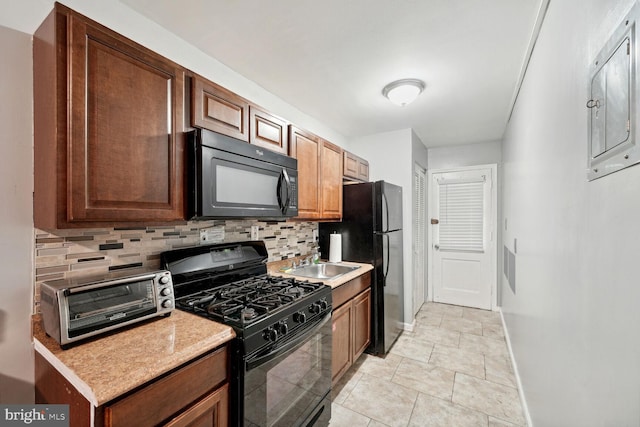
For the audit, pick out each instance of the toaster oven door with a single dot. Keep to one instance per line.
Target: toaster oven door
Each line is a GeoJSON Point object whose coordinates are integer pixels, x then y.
{"type": "Point", "coordinates": [90, 310]}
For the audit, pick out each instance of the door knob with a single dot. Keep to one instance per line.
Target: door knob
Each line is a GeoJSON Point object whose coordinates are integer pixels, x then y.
{"type": "Point", "coordinates": [437, 247]}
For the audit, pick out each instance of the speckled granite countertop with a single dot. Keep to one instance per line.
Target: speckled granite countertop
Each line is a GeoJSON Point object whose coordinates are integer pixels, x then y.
{"type": "Point", "coordinates": [274, 269]}
{"type": "Point", "coordinates": [109, 366]}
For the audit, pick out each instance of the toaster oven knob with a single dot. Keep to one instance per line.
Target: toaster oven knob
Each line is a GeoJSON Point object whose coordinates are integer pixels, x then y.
{"type": "Point", "coordinates": [167, 303]}
{"type": "Point", "coordinates": [164, 280]}
{"type": "Point", "coordinates": [165, 292]}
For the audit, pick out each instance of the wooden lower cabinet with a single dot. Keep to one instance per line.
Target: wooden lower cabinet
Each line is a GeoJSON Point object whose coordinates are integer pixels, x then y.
{"type": "Point", "coordinates": [342, 350]}
{"type": "Point", "coordinates": [351, 324]}
{"type": "Point", "coordinates": [361, 322]}
{"type": "Point", "coordinates": [196, 394]}
{"type": "Point", "coordinates": [211, 411]}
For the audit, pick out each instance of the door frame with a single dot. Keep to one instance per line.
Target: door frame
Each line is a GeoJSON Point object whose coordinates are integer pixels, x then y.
{"type": "Point", "coordinates": [420, 292]}
{"type": "Point", "coordinates": [493, 226]}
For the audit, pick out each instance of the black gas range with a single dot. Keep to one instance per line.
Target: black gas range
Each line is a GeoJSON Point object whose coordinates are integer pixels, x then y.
{"type": "Point", "coordinates": [281, 363]}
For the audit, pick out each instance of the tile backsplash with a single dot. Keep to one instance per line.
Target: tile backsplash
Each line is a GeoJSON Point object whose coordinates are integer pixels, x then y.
{"type": "Point", "coordinates": [82, 252]}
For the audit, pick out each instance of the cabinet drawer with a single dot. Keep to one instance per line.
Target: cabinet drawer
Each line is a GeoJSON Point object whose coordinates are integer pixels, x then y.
{"type": "Point", "coordinates": [344, 293]}
{"type": "Point", "coordinates": [161, 399]}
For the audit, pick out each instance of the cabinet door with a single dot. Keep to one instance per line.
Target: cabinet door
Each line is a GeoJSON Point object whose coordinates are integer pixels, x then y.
{"type": "Point", "coordinates": [350, 164]}
{"type": "Point", "coordinates": [218, 109]}
{"type": "Point", "coordinates": [211, 411]}
{"type": "Point", "coordinates": [361, 322]}
{"type": "Point", "coordinates": [363, 170]}
{"type": "Point", "coordinates": [342, 352]}
{"type": "Point", "coordinates": [125, 149]}
{"type": "Point", "coordinates": [306, 148]}
{"type": "Point", "coordinates": [268, 131]}
{"type": "Point", "coordinates": [331, 181]}
{"type": "Point", "coordinates": [354, 167]}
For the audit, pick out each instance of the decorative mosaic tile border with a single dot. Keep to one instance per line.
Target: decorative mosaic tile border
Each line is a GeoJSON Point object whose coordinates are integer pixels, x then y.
{"type": "Point", "coordinates": [75, 253]}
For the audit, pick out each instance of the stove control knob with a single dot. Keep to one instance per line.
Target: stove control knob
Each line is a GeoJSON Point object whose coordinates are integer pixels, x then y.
{"type": "Point", "coordinates": [271, 334]}
{"type": "Point", "coordinates": [299, 317]}
{"type": "Point", "coordinates": [167, 303]}
{"type": "Point", "coordinates": [315, 308]}
{"type": "Point", "coordinates": [324, 305]}
{"type": "Point", "coordinates": [283, 328]}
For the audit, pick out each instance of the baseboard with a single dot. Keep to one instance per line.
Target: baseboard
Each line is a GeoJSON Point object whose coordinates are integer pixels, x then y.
{"type": "Point", "coordinates": [409, 327]}
{"type": "Point", "coordinates": [523, 401]}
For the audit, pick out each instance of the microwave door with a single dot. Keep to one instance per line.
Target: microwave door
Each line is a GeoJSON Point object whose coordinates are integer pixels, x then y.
{"type": "Point", "coordinates": [236, 186]}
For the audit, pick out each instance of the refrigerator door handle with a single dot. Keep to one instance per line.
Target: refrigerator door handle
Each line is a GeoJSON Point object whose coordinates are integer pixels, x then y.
{"type": "Point", "coordinates": [385, 213]}
{"type": "Point", "coordinates": [386, 270]}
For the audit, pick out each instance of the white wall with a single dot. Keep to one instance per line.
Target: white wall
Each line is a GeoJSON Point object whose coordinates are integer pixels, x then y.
{"type": "Point", "coordinates": [390, 159]}
{"type": "Point", "coordinates": [119, 17]}
{"type": "Point", "coordinates": [16, 213]}
{"type": "Point", "coordinates": [574, 320]}
{"type": "Point", "coordinates": [482, 153]}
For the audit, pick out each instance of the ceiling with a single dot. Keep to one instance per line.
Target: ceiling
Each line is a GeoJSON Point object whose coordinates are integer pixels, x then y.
{"type": "Point", "coordinates": [331, 58]}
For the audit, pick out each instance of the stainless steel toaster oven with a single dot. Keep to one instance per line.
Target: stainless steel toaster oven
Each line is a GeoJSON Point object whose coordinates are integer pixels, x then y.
{"type": "Point", "coordinates": [78, 308]}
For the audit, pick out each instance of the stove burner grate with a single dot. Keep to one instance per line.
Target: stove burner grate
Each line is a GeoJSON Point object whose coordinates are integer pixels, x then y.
{"type": "Point", "coordinates": [248, 300]}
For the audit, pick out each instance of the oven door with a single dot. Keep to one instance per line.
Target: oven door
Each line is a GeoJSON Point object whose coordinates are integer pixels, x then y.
{"type": "Point", "coordinates": [291, 385]}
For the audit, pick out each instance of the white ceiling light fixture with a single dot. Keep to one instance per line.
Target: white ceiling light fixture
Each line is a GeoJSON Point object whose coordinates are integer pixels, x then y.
{"type": "Point", "coordinates": [403, 92]}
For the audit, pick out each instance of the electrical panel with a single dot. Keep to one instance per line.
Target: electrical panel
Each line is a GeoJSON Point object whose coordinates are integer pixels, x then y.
{"type": "Point", "coordinates": [613, 143]}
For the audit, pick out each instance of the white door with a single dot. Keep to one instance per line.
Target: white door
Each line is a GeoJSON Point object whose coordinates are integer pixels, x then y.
{"type": "Point", "coordinates": [463, 250]}
{"type": "Point", "coordinates": [419, 236]}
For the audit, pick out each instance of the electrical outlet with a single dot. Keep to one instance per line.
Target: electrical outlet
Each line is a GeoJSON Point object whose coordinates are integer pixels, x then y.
{"type": "Point", "coordinates": [254, 232]}
{"type": "Point", "coordinates": [212, 235]}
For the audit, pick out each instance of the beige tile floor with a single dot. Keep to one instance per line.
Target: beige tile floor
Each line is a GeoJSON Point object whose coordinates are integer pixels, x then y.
{"type": "Point", "coordinates": [452, 370]}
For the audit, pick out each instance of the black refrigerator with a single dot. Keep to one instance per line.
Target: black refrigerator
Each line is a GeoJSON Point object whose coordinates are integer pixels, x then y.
{"type": "Point", "coordinates": [371, 230]}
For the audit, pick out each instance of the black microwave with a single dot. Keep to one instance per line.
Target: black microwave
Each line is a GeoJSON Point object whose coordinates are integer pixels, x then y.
{"type": "Point", "coordinates": [229, 178]}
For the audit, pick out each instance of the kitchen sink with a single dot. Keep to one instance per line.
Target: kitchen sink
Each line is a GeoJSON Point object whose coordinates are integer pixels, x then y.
{"type": "Point", "coordinates": [324, 271]}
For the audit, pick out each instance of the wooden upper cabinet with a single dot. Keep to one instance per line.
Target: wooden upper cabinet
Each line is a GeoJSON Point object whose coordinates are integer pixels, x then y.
{"type": "Point", "coordinates": [108, 125]}
{"type": "Point", "coordinates": [306, 148]}
{"type": "Point", "coordinates": [331, 181]}
{"type": "Point", "coordinates": [218, 109]}
{"type": "Point", "coordinates": [319, 175]}
{"type": "Point", "coordinates": [355, 168]}
{"type": "Point", "coordinates": [268, 131]}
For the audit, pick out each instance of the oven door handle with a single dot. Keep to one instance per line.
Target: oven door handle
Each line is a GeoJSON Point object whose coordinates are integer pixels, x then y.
{"type": "Point", "coordinates": [273, 352]}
